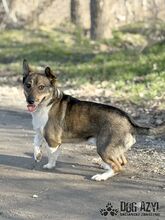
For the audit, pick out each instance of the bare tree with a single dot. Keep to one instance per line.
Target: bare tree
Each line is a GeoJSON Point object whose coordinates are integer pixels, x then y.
{"type": "Point", "coordinates": [76, 15]}
{"type": "Point", "coordinates": [7, 11]}
{"type": "Point", "coordinates": [99, 10]}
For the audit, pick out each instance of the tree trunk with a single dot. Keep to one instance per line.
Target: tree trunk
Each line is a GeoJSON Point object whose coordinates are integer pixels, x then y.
{"type": "Point", "coordinates": [76, 15]}
{"type": "Point", "coordinates": [7, 11]}
{"type": "Point", "coordinates": [99, 10]}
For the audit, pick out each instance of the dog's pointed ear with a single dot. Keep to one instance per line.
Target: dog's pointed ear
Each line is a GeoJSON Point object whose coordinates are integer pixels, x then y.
{"type": "Point", "coordinates": [26, 69]}
{"type": "Point", "coordinates": [50, 75]}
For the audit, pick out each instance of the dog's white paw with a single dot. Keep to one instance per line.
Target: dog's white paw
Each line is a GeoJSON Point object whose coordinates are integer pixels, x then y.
{"type": "Point", "coordinates": [38, 157]}
{"type": "Point", "coordinates": [37, 154]}
{"type": "Point", "coordinates": [103, 176]}
{"type": "Point", "coordinates": [48, 166]}
{"type": "Point", "coordinates": [98, 177]}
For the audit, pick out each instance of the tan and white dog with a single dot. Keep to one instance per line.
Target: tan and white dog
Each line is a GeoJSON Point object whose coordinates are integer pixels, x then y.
{"type": "Point", "coordinates": [56, 116]}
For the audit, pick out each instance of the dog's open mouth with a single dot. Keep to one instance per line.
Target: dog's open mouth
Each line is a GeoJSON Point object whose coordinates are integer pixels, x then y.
{"type": "Point", "coordinates": [31, 107]}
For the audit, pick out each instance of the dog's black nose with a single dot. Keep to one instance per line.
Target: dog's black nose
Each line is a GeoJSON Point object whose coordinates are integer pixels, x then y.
{"type": "Point", "coordinates": [30, 101]}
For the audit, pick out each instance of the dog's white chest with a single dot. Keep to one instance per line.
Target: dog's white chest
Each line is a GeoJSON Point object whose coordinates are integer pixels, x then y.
{"type": "Point", "coordinates": [40, 118]}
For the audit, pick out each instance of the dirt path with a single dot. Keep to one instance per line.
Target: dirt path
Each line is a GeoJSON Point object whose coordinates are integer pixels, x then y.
{"type": "Point", "coordinates": [29, 192]}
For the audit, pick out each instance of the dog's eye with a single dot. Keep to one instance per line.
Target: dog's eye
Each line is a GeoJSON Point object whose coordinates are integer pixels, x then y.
{"type": "Point", "coordinates": [41, 87]}
{"type": "Point", "coordinates": [28, 85]}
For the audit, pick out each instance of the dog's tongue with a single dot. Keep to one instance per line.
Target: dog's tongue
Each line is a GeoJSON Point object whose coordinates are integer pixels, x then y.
{"type": "Point", "coordinates": [31, 108]}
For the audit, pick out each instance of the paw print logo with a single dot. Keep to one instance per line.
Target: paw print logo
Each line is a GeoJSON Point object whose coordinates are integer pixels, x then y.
{"type": "Point", "coordinates": [109, 206]}
{"type": "Point", "coordinates": [103, 212]}
{"type": "Point", "coordinates": [114, 212]}
{"type": "Point", "coordinates": [109, 210]}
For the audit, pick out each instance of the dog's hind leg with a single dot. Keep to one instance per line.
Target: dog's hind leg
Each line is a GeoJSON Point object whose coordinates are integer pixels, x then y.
{"type": "Point", "coordinates": [104, 166]}
{"type": "Point", "coordinates": [112, 151]}
{"type": "Point", "coordinates": [53, 154]}
{"type": "Point", "coordinates": [113, 167]}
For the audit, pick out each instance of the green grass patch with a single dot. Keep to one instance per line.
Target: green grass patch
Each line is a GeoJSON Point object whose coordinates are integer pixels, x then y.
{"type": "Point", "coordinates": [139, 74]}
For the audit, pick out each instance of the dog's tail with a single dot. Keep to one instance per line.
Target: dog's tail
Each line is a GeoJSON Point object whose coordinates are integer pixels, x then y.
{"type": "Point", "coordinates": [157, 131]}
{"type": "Point", "coordinates": [151, 131]}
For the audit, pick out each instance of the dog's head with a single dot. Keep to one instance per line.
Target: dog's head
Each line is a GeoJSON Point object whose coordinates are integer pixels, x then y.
{"type": "Point", "coordinates": [38, 87]}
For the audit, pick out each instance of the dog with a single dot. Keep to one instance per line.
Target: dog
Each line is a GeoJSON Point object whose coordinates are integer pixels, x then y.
{"type": "Point", "coordinates": [56, 116]}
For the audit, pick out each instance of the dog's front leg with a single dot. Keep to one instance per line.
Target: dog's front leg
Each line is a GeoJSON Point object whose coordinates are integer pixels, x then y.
{"type": "Point", "coordinates": [37, 146]}
{"type": "Point", "coordinates": [53, 153]}
{"type": "Point", "coordinates": [53, 140]}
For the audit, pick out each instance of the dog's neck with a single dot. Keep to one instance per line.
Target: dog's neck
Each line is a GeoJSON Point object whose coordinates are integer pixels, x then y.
{"type": "Point", "coordinates": [56, 97]}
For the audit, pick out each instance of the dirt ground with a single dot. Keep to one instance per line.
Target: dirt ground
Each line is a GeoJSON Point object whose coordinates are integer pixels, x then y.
{"type": "Point", "coordinates": [67, 192]}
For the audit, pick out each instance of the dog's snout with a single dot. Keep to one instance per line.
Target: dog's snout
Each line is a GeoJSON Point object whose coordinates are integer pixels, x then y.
{"type": "Point", "coordinates": [30, 101]}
